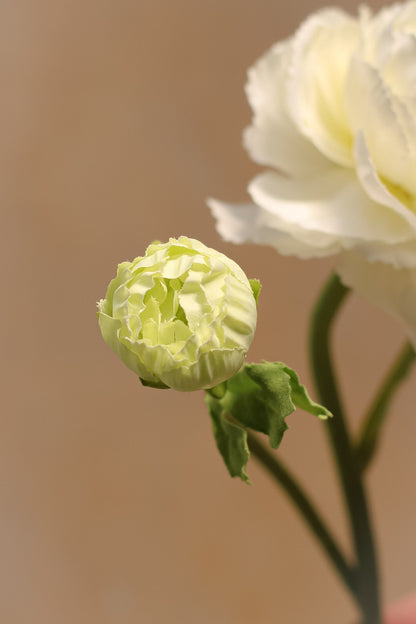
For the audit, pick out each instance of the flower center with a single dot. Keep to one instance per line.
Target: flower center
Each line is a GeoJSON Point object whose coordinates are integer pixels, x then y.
{"type": "Point", "coordinates": [163, 320]}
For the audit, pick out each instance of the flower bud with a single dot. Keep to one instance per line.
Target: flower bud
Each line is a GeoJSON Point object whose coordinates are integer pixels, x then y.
{"type": "Point", "coordinates": [182, 316]}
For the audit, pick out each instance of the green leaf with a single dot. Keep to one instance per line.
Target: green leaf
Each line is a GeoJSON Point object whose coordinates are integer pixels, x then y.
{"type": "Point", "coordinates": [256, 288]}
{"type": "Point", "coordinates": [260, 397]}
{"type": "Point", "coordinates": [301, 398]}
{"type": "Point", "coordinates": [231, 440]}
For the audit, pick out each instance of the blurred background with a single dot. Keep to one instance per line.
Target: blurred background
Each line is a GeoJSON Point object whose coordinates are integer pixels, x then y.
{"type": "Point", "coordinates": [118, 119]}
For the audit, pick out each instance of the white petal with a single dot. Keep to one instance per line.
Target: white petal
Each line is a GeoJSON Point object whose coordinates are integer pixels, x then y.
{"type": "Point", "coordinates": [401, 255]}
{"type": "Point", "coordinates": [398, 68]}
{"type": "Point", "coordinates": [376, 33]}
{"type": "Point", "coordinates": [392, 289]}
{"type": "Point", "coordinates": [386, 42]}
{"type": "Point", "coordinates": [333, 204]}
{"type": "Point", "coordinates": [273, 139]}
{"type": "Point", "coordinates": [248, 223]}
{"type": "Point", "coordinates": [406, 16]}
{"type": "Point", "coordinates": [322, 50]}
{"type": "Point", "coordinates": [378, 191]}
{"type": "Point", "coordinates": [389, 131]}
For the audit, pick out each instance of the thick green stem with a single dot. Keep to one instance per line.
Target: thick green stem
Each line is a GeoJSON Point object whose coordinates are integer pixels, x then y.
{"type": "Point", "coordinates": [371, 430]}
{"type": "Point", "coordinates": [307, 511]}
{"type": "Point", "coordinates": [344, 453]}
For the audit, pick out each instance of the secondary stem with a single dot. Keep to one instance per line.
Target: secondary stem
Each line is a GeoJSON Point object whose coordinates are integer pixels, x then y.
{"type": "Point", "coordinates": [370, 433]}
{"type": "Point", "coordinates": [344, 454]}
{"type": "Point", "coordinates": [307, 511]}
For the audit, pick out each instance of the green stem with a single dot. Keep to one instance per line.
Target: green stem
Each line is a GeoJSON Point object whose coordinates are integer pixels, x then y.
{"type": "Point", "coordinates": [344, 454]}
{"type": "Point", "coordinates": [370, 433]}
{"type": "Point", "coordinates": [307, 511]}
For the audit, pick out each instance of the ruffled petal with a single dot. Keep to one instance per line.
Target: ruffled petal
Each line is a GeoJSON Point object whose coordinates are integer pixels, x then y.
{"type": "Point", "coordinates": [110, 329]}
{"type": "Point", "coordinates": [212, 368]}
{"type": "Point", "coordinates": [403, 253]}
{"type": "Point", "coordinates": [388, 42]}
{"type": "Point", "coordinates": [376, 189]}
{"type": "Point", "coordinates": [333, 204]}
{"type": "Point", "coordinates": [322, 49]}
{"type": "Point", "coordinates": [273, 139]}
{"type": "Point", "coordinates": [250, 223]}
{"type": "Point", "coordinates": [388, 128]}
{"type": "Point", "coordinates": [398, 67]}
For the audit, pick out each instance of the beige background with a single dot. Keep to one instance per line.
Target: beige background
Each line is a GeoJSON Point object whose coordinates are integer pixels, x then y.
{"type": "Point", "coordinates": [117, 119]}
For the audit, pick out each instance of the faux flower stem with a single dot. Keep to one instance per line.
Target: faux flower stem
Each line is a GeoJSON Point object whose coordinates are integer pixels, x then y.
{"type": "Point", "coordinates": [324, 313]}
{"type": "Point", "coordinates": [370, 432]}
{"type": "Point", "coordinates": [307, 511]}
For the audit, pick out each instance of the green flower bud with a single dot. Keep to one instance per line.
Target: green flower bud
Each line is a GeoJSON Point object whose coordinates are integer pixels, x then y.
{"type": "Point", "coordinates": [182, 316]}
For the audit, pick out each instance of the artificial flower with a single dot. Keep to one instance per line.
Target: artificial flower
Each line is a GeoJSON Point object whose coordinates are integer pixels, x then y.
{"type": "Point", "coordinates": [335, 121]}
{"type": "Point", "coordinates": [182, 316]}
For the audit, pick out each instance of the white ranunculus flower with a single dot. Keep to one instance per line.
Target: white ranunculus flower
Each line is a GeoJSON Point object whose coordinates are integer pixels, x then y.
{"type": "Point", "coordinates": [335, 121]}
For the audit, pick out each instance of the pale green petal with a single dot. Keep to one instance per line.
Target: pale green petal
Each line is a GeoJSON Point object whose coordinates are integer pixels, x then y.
{"type": "Point", "coordinates": [110, 331]}
{"type": "Point", "coordinates": [213, 286]}
{"type": "Point", "coordinates": [211, 369]}
{"type": "Point", "coordinates": [150, 312]}
{"type": "Point", "coordinates": [177, 266]}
